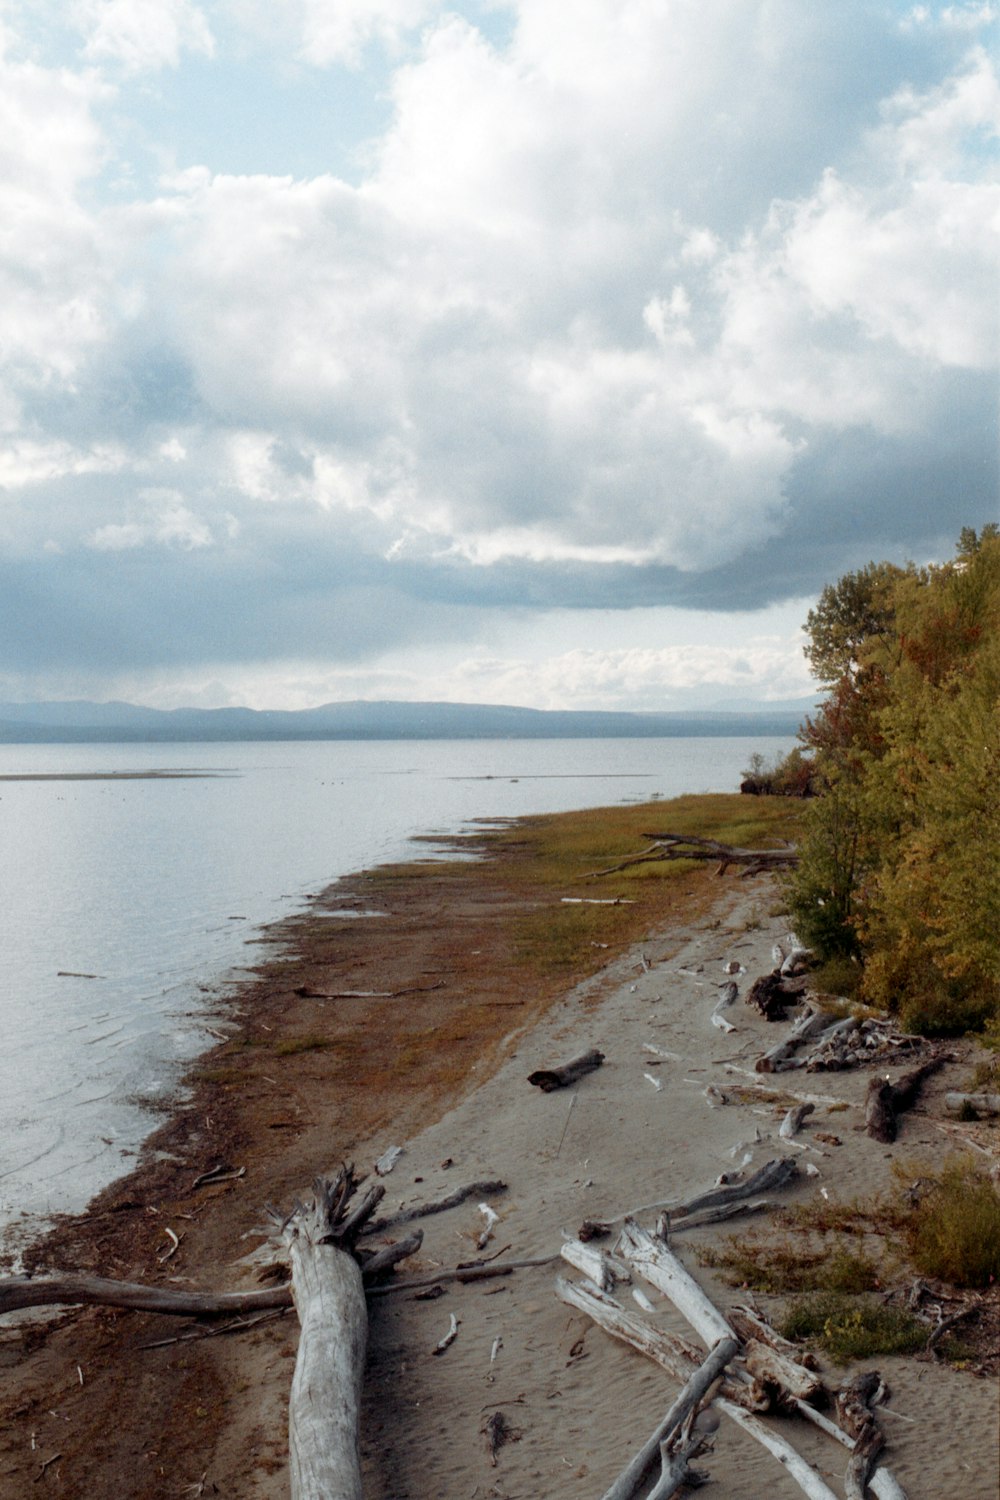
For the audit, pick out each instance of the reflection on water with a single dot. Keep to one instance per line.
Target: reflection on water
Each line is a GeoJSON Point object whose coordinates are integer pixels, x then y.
{"type": "Point", "coordinates": [131, 875]}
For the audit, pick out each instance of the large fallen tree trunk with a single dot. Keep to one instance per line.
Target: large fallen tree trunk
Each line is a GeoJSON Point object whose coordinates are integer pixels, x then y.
{"type": "Point", "coordinates": [324, 1406]}
{"type": "Point", "coordinates": [885, 1101]}
{"type": "Point", "coordinates": [687, 846]}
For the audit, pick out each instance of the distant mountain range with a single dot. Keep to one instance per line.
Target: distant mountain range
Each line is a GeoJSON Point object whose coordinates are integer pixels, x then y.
{"type": "Point", "coordinates": [81, 722]}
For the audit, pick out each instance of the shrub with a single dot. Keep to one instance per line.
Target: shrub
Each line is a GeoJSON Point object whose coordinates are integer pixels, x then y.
{"type": "Point", "coordinates": [951, 1224]}
{"type": "Point", "coordinates": [791, 776]}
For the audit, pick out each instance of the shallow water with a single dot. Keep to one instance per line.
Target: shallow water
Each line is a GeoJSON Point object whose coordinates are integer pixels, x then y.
{"type": "Point", "coordinates": [120, 897]}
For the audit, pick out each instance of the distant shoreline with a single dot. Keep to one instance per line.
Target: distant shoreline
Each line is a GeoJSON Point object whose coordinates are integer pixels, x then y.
{"type": "Point", "coordinates": [128, 723]}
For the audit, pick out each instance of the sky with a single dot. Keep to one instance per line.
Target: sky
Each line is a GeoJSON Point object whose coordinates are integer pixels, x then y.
{"type": "Point", "coordinates": [504, 351]}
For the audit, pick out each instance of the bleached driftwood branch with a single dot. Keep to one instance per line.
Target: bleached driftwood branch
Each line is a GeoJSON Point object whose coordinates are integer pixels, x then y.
{"type": "Point", "coordinates": [657, 1263]}
{"type": "Point", "coordinates": [810, 1023]}
{"type": "Point", "coordinates": [981, 1104]}
{"type": "Point", "coordinates": [631, 1479]}
{"type": "Point", "coordinates": [102, 1291]}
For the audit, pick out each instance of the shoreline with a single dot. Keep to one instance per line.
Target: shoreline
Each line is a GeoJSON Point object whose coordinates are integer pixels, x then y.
{"type": "Point", "coordinates": [430, 1058]}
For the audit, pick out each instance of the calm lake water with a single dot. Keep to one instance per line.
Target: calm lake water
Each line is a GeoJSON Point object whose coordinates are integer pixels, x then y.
{"type": "Point", "coordinates": [155, 886]}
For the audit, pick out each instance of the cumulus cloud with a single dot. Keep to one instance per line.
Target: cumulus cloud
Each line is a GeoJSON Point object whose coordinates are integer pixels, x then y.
{"type": "Point", "coordinates": [56, 262]}
{"type": "Point", "coordinates": [142, 35]}
{"type": "Point", "coordinates": [630, 306]}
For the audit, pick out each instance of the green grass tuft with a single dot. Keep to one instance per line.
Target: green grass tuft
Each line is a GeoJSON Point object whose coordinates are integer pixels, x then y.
{"type": "Point", "coordinates": [847, 1327]}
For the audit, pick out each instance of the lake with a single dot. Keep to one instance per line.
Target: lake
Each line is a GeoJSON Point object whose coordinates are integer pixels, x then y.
{"type": "Point", "coordinates": [123, 893]}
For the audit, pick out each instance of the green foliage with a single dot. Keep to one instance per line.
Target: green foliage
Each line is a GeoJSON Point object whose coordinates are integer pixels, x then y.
{"type": "Point", "coordinates": [848, 1327]}
{"type": "Point", "coordinates": [838, 977]}
{"type": "Point", "coordinates": [851, 613]}
{"type": "Point", "coordinates": [951, 1224]}
{"type": "Point", "coordinates": [823, 890]}
{"type": "Point", "coordinates": [901, 860]}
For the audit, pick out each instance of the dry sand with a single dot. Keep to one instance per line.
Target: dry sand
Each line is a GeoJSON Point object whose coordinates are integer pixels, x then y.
{"type": "Point", "coordinates": [579, 1403]}
{"type": "Point", "coordinates": [583, 1404]}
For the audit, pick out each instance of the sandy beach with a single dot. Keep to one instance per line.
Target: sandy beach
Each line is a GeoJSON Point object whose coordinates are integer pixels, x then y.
{"type": "Point", "coordinates": [427, 1047]}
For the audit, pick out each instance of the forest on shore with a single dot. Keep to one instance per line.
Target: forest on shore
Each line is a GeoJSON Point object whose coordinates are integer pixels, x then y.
{"type": "Point", "coordinates": [898, 885]}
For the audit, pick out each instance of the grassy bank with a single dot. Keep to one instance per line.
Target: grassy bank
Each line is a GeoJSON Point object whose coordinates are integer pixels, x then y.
{"type": "Point", "coordinates": [545, 859]}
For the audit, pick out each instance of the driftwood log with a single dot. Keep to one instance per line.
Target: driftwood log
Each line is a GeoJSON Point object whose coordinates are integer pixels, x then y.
{"type": "Point", "coordinates": [792, 1123]}
{"type": "Point", "coordinates": [486, 1189]}
{"type": "Point", "coordinates": [809, 1024]}
{"type": "Point", "coordinates": [725, 1000]}
{"type": "Point", "coordinates": [773, 993]}
{"type": "Point", "coordinates": [687, 846]}
{"type": "Point", "coordinates": [772, 1175]}
{"type": "Point", "coordinates": [781, 1376]}
{"type": "Point", "coordinates": [658, 1264]}
{"type": "Point", "coordinates": [750, 1325]}
{"type": "Point", "coordinates": [978, 1104]}
{"type": "Point", "coordinates": [65, 1290]}
{"type": "Point", "coordinates": [325, 1402]}
{"type": "Point", "coordinates": [886, 1101]}
{"type": "Point", "coordinates": [604, 1270]}
{"type": "Point", "coordinates": [633, 1477]}
{"type": "Point", "coordinates": [707, 1321]}
{"type": "Point", "coordinates": [671, 1353]}
{"type": "Point", "coordinates": [854, 1404]}
{"type": "Point", "coordinates": [548, 1079]}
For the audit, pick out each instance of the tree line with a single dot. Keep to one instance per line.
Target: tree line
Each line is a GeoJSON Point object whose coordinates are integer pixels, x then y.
{"type": "Point", "coordinates": [898, 883]}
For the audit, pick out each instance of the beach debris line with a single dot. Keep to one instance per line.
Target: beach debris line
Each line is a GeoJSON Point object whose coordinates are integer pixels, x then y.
{"type": "Point", "coordinates": [549, 1079]}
